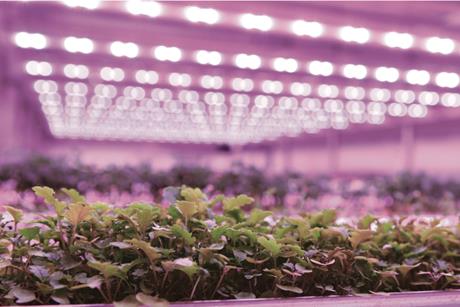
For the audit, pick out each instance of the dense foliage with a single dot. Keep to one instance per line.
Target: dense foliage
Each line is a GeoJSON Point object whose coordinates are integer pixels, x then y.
{"type": "Point", "coordinates": [197, 248]}
{"type": "Point", "coordinates": [404, 193]}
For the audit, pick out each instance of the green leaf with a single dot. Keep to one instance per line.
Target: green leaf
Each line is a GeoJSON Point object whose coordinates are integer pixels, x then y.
{"type": "Point", "coordinates": [278, 274]}
{"type": "Point", "coordinates": [404, 269]}
{"type": "Point", "coordinates": [389, 275]}
{"type": "Point", "coordinates": [290, 289]}
{"type": "Point", "coordinates": [234, 203]}
{"type": "Point", "coordinates": [301, 269]}
{"type": "Point", "coordinates": [291, 250]}
{"type": "Point", "coordinates": [77, 213]}
{"type": "Point", "coordinates": [366, 221]}
{"type": "Point", "coordinates": [218, 232]}
{"type": "Point", "coordinates": [192, 195]}
{"type": "Point", "coordinates": [74, 195]}
{"type": "Point", "coordinates": [270, 245]}
{"type": "Point", "coordinates": [358, 236]}
{"type": "Point", "coordinates": [121, 245]}
{"type": "Point", "coordinates": [30, 232]}
{"type": "Point", "coordinates": [144, 214]}
{"type": "Point", "coordinates": [5, 247]}
{"type": "Point", "coordinates": [187, 266]}
{"type": "Point", "coordinates": [39, 271]}
{"type": "Point", "coordinates": [49, 221]}
{"type": "Point", "coordinates": [23, 295]}
{"type": "Point", "coordinates": [302, 226]}
{"type": "Point", "coordinates": [168, 265]}
{"type": "Point", "coordinates": [100, 207]}
{"type": "Point", "coordinates": [151, 301]}
{"type": "Point", "coordinates": [324, 218]}
{"type": "Point", "coordinates": [61, 299]}
{"type": "Point", "coordinates": [4, 263]}
{"type": "Point", "coordinates": [186, 208]}
{"type": "Point", "coordinates": [94, 282]}
{"type": "Point", "coordinates": [257, 216]}
{"type": "Point", "coordinates": [48, 195]}
{"type": "Point", "coordinates": [240, 255]}
{"type": "Point", "coordinates": [244, 295]}
{"type": "Point", "coordinates": [316, 234]}
{"type": "Point", "coordinates": [148, 249]}
{"type": "Point", "coordinates": [216, 200]}
{"type": "Point", "coordinates": [180, 232]}
{"type": "Point", "coordinates": [331, 262]}
{"type": "Point", "coordinates": [248, 233]}
{"type": "Point", "coordinates": [174, 213]}
{"type": "Point", "coordinates": [334, 233]}
{"type": "Point", "coordinates": [17, 214]}
{"type": "Point", "coordinates": [107, 269]}
{"type": "Point", "coordinates": [385, 227]}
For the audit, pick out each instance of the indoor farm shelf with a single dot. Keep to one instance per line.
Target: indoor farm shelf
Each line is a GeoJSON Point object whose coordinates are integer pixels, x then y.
{"type": "Point", "coordinates": [198, 248]}
{"type": "Point", "coordinates": [403, 299]}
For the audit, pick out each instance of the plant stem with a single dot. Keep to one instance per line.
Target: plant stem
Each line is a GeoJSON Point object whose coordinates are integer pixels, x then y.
{"type": "Point", "coordinates": [118, 287]}
{"type": "Point", "coordinates": [218, 284]}
{"type": "Point", "coordinates": [164, 281]}
{"type": "Point", "coordinates": [109, 289]}
{"type": "Point", "coordinates": [72, 238]}
{"type": "Point", "coordinates": [194, 287]}
{"type": "Point", "coordinates": [104, 296]}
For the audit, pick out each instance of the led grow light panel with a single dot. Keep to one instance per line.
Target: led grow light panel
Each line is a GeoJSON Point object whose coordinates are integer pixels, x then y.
{"type": "Point", "coordinates": [182, 88]}
{"type": "Point", "coordinates": [107, 111]}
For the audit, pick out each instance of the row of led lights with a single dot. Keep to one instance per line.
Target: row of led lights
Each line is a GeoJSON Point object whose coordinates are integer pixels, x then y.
{"type": "Point", "coordinates": [338, 120]}
{"type": "Point", "coordinates": [376, 110]}
{"type": "Point", "coordinates": [429, 98]}
{"type": "Point", "coordinates": [287, 108]}
{"type": "Point", "coordinates": [277, 120]}
{"type": "Point", "coordinates": [382, 74]}
{"type": "Point", "coordinates": [76, 98]}
{"type": "Point", "coordinates": [220, 115]}
{"type": "Point", "coordinates": [168, 127]}
{"type": "Point", "coordinates": [196, 129]}
{"type": "Point", "coordinates": [312, 29]}
{"type": "Point", "coordinates": [167, 136]}
{"type": "Point", "coordinates": [104, 94]}
{"type": "Point", "coordinates": [180, 134]}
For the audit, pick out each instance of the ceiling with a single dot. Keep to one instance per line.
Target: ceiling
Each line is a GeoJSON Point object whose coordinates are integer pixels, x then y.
{"type": "Point", "coordinates": [231, 72]}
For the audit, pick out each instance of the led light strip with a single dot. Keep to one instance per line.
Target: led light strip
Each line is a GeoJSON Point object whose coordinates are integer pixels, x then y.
{"type": "Point", "coordinates": [317, 68]}
{"type": "Point", "coordinates": [303, 28]}
{"type": "Point", "coordinates": [299, 91]}
{"type": "Point", "coordinates": [247, 61]}
{"type": "Point", "coordinates": [275, 87]}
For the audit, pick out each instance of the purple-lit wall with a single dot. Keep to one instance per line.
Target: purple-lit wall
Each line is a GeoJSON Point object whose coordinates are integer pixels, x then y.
{"type": "Point", "coordinates": [436, 156]}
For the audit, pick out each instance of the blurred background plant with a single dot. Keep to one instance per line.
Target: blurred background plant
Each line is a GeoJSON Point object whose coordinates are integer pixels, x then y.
{"type": "Point", "coordinates": [404, 193]}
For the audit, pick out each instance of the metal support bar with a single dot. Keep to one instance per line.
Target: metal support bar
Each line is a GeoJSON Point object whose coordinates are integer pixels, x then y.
{"type": "Point", "coordinates": [287, 156]}
{"type": "Point", "coordinates": [333, 152]}
{"type": "Point", "coordinates": [407, 145]}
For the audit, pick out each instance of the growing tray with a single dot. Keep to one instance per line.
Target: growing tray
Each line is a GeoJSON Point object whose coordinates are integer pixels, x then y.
{"type": "Point", "coordinates": [450, 298]}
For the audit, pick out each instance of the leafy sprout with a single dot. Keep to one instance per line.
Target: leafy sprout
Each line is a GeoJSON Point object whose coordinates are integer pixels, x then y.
{"type": "Point", "coordinates": [85, 253]}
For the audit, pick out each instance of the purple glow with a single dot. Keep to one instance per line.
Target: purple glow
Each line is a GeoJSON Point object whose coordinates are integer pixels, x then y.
{"type": "Point", "coordinates": [219, 73]}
